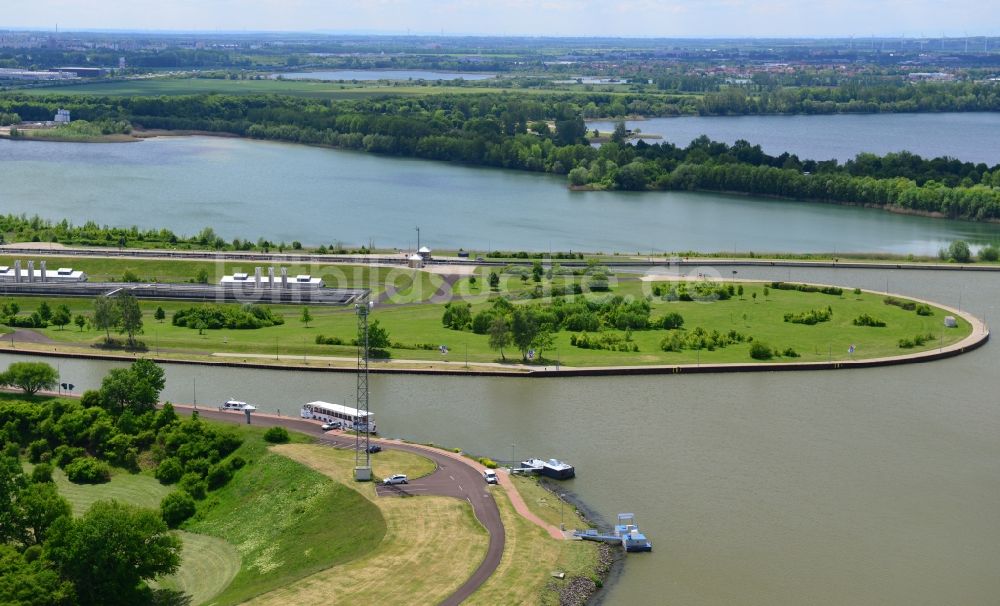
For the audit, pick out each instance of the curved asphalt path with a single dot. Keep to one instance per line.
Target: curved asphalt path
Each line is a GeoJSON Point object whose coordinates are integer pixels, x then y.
{"type": "Point", "coordinates": [453, 478]}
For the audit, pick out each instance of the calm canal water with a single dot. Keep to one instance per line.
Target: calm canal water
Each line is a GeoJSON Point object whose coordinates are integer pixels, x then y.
{"type": "Point", "coordinates": [281, 192]}
{"type": "Point", "coordinates": [967, 136]}
{"type": "Point", "coordinates": [877, 486]}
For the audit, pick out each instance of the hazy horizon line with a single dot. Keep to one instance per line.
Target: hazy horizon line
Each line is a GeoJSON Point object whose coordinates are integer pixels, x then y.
{"type": "Point", "coordinates": [429, 34]}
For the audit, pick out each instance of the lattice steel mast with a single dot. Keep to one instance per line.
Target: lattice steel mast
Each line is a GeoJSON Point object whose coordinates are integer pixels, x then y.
{"type": "Point", "coordinates": [362, 468]}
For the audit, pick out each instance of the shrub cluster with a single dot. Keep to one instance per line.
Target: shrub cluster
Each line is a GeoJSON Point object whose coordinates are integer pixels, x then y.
{"type": "Point", "coordinates": [192, 455]}
{"type": "Point", "coordinates": [324, 340]}
{"type": "Point", "coordinates": [826, 290]}
{"type": "Point", "coordinates": [907, 305]}
{"type": "Point", "coordinates": [176, 507]}
{"type": "Point", "coordinates": [811, 317]}
{"type": "Point", "coordinates": [868, 320]}
{"type": "Point", "coordinates": [671, 321]}
{"type": "Point", "coordinates": [915, 341]}
{"type": "Point", "coordinates": [697, 291]}
{"type": "Point", "coordinates": [606, 340]}
{"type": "Point", "coordinates": [276, 435]}
{"type": "Point", "coordinates": [87, 470]}
{"type": "Point", "coordinates": [699, 338]}
{"type": "Point", "coordinates": [37, 319]}
{"type": "Point", "coordinates": [213, 317]}
{"type": "Point", "coordinates": [762, 351]}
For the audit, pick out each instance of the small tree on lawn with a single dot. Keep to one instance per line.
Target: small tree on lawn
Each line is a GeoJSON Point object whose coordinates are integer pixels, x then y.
{"type": "Point", "coordinates": [494, 280]}
{"type": "Point", "coordinates": [500, 336]}
{"type": "Point", "coordinates": [306, 316]}
{"type": "Point", "coordinates": [159, 315]}
{"type": "Point", "coordinates": [106, 315]}
{"type": "Point", "coordinates": [44, 311]}
{"type": "Point", "coordinates": [739, 290]}
{"type": "Point", "coordinates": [30, 376]}
{"type": "Point", "coordinates": [131, 316]}
{"type": "Point", "coordinates": [80, 321]}
{"type": "Point", "coordinates": [62, 317]}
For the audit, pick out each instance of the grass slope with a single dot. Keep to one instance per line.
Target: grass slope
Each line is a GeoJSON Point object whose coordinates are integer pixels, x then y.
{"type": "Point", "coordinates": [530, 554]}
{"type": "Point", "coordinates": [286, 522]}
{"type": "Point", "coordinates": [431, 546]}
{"type": "Point", "coordinates": [208, 565]}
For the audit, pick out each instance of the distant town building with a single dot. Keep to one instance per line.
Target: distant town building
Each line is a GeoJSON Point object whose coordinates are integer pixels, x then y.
{"type": "Point", "coordinates": [82, 72]}
{"type": "Point", "coordinates": [26, 74]}
{"type": "Point", "coordinates": [122, 64]}
{"type": "Point", "coordinates": [931, 76]}
{"type": "Point", "coordinates": [62, 116]}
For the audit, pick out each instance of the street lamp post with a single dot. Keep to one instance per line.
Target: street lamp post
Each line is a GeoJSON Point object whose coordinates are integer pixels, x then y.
{"type": "Point", "coordinates": [562, 504]}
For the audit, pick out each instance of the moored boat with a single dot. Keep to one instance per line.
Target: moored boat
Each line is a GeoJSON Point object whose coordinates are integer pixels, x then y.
{"type": "Point", "coordinates": [553, 468]}
{"type": "Point", "coordinates": [237, 405]}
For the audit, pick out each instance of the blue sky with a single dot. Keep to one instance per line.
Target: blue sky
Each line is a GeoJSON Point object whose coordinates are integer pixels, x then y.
{"type": "Point", "coordinates": [668, 18]}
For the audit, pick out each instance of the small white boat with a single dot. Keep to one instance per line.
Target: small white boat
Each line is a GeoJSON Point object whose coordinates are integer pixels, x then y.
{"type": "Point", "coordinates": [237, 405]}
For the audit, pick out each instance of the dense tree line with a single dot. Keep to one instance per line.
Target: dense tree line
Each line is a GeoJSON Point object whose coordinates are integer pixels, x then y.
{"type": "Point", "coordinates": [904, 181]}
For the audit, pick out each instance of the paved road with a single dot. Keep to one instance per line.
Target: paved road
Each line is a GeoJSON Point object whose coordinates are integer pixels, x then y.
{"type": "Point", "coordinates": [452, 479]}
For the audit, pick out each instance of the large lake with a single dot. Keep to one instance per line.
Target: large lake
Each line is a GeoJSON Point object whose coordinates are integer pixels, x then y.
{"type": "Point", "coordinates": [970, 137]}
{"type": "Point", "coordinates": [283, 192]}
{"type": "Point", "coordinates": [382, 74]}
{"type": "Point", "coordinates": [826, 488]}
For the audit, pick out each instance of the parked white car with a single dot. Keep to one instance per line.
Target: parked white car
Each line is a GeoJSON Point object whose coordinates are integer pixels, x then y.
{"type": "Point", "coordinates": [490, 476]}
{"type": "Point", "coordinates": [395, 479]}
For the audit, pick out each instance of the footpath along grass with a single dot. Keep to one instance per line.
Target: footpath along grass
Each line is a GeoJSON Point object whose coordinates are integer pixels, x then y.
{"type": "Point", "coordinates": [285, 520]}
{"type": "Point", "coordinates": [432, 544]}
{"type": "Point", "coordinates": [530, 555]}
